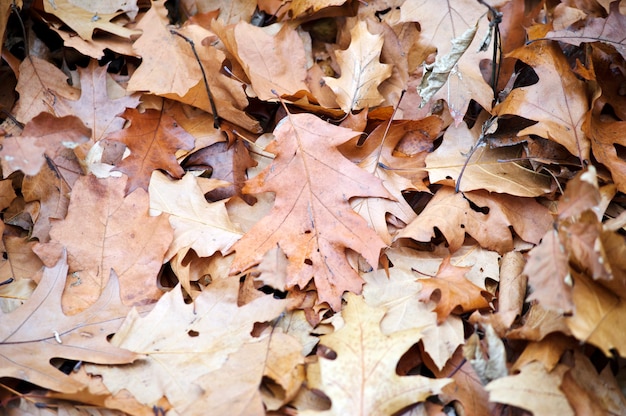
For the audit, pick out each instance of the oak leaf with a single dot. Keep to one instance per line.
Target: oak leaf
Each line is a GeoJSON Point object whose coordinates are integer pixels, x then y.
{"type": "Point", "coordinates": [104, 231]}
{"type": "Point", "coordinates": [549, 274]}
{"type": "Point", "coordinates": [451, 290]}
{"type": "Point", "coordinates": [40, 84]}
{"type": "Point", "coordinates": [182, 343]}
{"type": "Point", "coordinates": [361, 71]}
{"type": "Point", "coordinates": [609, 30]}
{"type": "Point", "coordinates": [491, 168]}
{"type": "Point", "coordinates": [153, 137]}
{"type": "Point", "coordinates": [439, 26]}
{"type": "Point", "coordinates": [311, 220]}
{"type": "Point", "coordinates": [85, 22]}
{"type": "Point", "coordinates": [488, 223]}
{"type": "Point", "coordinates": [561, 113]}
{"type": "Point", "coordinates": [533, 389]}
{"type": "Point", "coordinates": [362, 380]}
{"type": "Point", "coordinates": [198, 225]}
{"type": "Point", "coordinates": [95, 107]}
{"type": "Point", "coordinates": [273, 58]}
{"type": "Point", "coordinates": [157, 46]}
{"type": "Point", "coordinates": [39, 331]}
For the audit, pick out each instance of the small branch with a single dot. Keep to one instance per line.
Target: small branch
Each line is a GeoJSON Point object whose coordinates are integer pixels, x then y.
{"type": "Point", "coordinates": [216, 117]}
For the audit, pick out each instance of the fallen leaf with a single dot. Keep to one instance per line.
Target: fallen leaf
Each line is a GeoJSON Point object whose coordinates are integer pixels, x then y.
{"type": "Point", "coordinates": [609, 30]}
{"type": "Point", "coordinates": [312, 223]}
{"type": "Point", "coordinates": [39, 331]}
{"type": "Point", "coordinates": [271, 67]}
{"type": "Point", "coordinates": [488, 224]}
{"type": "Point", "coordinates": [363, 380]}
{"type": "Point", "coordinates": [153, 137]}
{"type": "Point", "coordinates": [450, 290]}
{"type": "Point", "coordinates": [84, 22]}
{"type": "Point", "coordinates": [494, 169]}
{"type": "Point", "coordinates": [184, 342]}
{"type": "Point", "coordinates": [561, 113]}
{"type": "Point", "coordinates": [97, 110]}
{"type": "Point", "coordinates": [361, 71]}
{"type": "Point", "coordinates": [104, 231]}
{"type": "Point", "coordinates": [198, 225]}
{"type": "Point", "coordinates": [533, 389]}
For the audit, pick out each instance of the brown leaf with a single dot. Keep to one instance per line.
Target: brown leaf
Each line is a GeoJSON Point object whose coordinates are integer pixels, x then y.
{"type": "Point", "coordinates": [605, 135]}
{"type": "Point", "coordinates": [451, 291]}
{"type": "Point", "coordinates": [549, 274]}
{"type": "Point", "coordinates": [561, 113]}
{"type": "Point", "coordinates": [489, 223]}
{"type": "Point", "coordinates": [39, 331]}
{"type": "Point", "coordinates": [153, 137]}
{"type": "Point", "coordinates": [311, 219]}
{"type": "Point", "coordinates": [39, 84]}
{"type": "Point", "coordinates": [84, 22]}
{"type": "Point", "coordinates": [609, 30]}
{"type": "Point", "coordinates": [273, 58]}
{"type": "Point", "coordinates": [104, 231]}
{"type": "Point", "coordinates": [44, 135]}
{"type": "Point", "coordinates": [361, 71]}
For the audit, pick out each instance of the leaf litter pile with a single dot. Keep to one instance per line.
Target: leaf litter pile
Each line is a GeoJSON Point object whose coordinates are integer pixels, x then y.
{"type": "Point", "coordinates": [299, 208]}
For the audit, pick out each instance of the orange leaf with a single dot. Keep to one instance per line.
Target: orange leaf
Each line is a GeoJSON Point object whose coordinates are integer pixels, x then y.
{"type": "Point", "coordinates": [451, 290]}
{"type": "Point", "coordinates": [311, 219]}
{"type": "Point", "coordinates": [153, 137]}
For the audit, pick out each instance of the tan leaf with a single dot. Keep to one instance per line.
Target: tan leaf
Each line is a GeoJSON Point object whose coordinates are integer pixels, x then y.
{"type": "Point", "coordinates": [361, 71]}
{"type": "Point", "coordinates": [362, 380]}
{"type": "Point", "coordinates": [84, 22]}
{"type": "Point", "coordinates": [533, 389]}
{"type": "Point", "coordinates": [199, 225]}
{"type": "Point", "coordinates": [39, 331]}
{"type": "Point", "coordinates": [184, 342]}
{"type": "Point", "coordinates": [311, 219]}
{"type": "Point", "coordinates": [492, 169]}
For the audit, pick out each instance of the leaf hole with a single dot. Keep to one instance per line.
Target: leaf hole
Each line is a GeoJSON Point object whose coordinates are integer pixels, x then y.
{"type": "Point", "coordinates": [193, 333]}
{"type": "Point", "coordinates": [308, 262]}
{"type": "Point", "coordinates": [307, 232]}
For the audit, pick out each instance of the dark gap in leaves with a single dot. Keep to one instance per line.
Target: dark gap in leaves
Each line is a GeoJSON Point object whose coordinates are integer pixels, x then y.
{"type": "Point", "coordinates": [63, 365]}
{"type": "Point", "coordinates": [322, 30]}
{"type": "Point", "coordinates": [621, 150]}
{"type": "Point", "coordinates": [526, 75]}
{"type": "Point", "coordinates": [263, 111]}
{"type": "Point", "coordinates": [482, 210]}
{"type": "Point", "coordinates": [381, 13]}
{"type": "Point", "coordinates": [473, 111]}
{"type": "Point", "coordinates": [410, 362]}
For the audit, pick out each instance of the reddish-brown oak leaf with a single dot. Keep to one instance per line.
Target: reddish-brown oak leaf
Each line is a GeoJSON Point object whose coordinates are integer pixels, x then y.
{"type": "Point", "coordinates": [311, 220]}
{"type": "Point", "coordinates": [153, 137]}
{"type": "Point", "coordinates": [452, 291]}
{"type": "Point", "coordinates": [104, 230]}
{"type": "Point", "coordinates": [38, 331]}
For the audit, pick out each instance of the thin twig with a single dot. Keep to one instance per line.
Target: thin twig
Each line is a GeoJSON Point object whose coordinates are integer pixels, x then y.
{"type": "Point", "coordinates": [216, 117]}
{"type": "Point", "coordinates": [481, 140]}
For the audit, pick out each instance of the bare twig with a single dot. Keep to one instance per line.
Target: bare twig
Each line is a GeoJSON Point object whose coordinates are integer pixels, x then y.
{"type": "Point", "coordinates": [216, 117]}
